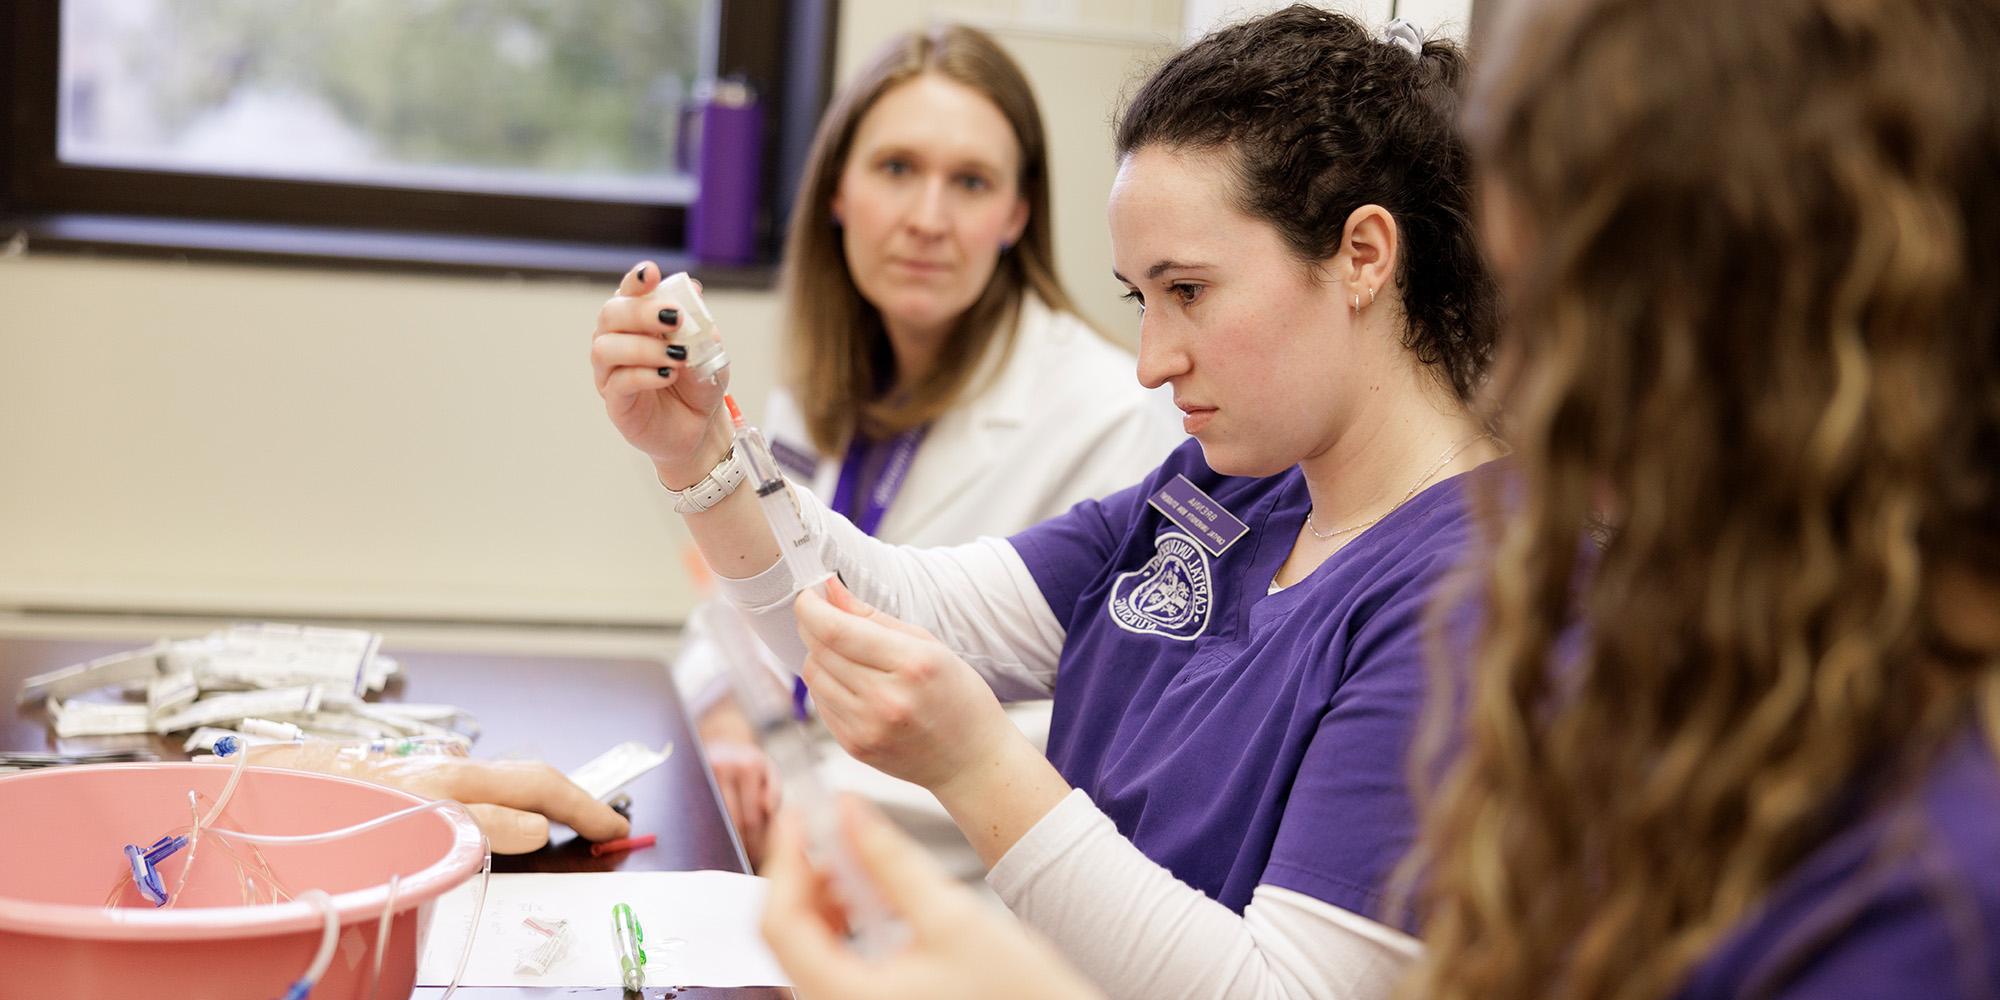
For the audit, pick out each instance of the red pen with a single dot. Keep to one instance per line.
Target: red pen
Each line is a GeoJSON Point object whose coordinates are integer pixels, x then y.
{"type": "Point", "coordinates": [623, 844]}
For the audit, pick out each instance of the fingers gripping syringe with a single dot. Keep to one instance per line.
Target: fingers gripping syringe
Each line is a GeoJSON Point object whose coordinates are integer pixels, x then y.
{"type": "Point", "coordinates": [761, 695]}
{"type": "Point", "coordinates": [780, 505]}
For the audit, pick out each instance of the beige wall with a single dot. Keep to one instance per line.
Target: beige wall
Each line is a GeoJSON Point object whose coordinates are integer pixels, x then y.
{"type": "Point", "coordinates": [285, 440]}
{"type": "Point", "coordinates": [289, 441]}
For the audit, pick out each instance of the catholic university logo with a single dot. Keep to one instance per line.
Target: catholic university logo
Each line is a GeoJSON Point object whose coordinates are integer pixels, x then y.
{"type": "Point", "coordinates": [1170, 595]}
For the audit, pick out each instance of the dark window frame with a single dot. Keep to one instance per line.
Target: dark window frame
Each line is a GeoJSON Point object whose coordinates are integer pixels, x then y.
{"type": "Point", "coordinates": [783, 47]}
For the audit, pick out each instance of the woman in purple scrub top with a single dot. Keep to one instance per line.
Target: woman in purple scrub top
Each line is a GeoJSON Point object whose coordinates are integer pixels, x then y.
{"type": "Point", "coordinates": [1752, 252]}
{"type": "Point", "coordinates": [940, 384]}
{"type": "Point", "coordinates": [1234, 644]}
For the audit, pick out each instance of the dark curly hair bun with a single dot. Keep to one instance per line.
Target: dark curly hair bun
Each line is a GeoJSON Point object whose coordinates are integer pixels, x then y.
{"type": "Point", "coordinates": [1323, 117]}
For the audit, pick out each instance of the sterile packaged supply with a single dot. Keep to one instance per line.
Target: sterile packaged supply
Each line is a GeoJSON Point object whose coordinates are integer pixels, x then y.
{"type": "Point", "coordinates": [235, 706]}
{"type": "Point", "coordinates": [281, 656]}
{"type": "Point", "coordinates": [545, 941]}
{"type": "Point", "coordinates": [786, 740]}
{"type": "Point", "coordinates": [138, 666]}
{"type": "Point", "coordinates": [779, 504]}
{"type": "Point", "coordinates": [394, 718]}
{"type": "Point", "coordinates": [238, 658]}
{"type": "Point", "coordinates": [91, 718]}
{"type": "Point", "coordinates": [706, 357]}
{"type": "Point", "coordinates": [169, 693]}
{"type": "Point", "coordinates": [617, 767]}
{"type": "Point", "coordinates": [314, 679]}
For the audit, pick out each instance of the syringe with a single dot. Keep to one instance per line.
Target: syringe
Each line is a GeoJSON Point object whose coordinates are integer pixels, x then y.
{"type": "Point", "coordinates": [780, 506]}
{"type": "Point", "coordinates": [789, 744]}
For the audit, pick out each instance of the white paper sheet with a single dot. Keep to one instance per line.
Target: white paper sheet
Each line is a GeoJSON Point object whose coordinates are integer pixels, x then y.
{"type": "Point", "coordinates": [700, 929]}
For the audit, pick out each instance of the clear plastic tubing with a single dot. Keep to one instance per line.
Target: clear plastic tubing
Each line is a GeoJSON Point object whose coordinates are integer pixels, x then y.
{"type": "Point", "coordinates": [485, 872]}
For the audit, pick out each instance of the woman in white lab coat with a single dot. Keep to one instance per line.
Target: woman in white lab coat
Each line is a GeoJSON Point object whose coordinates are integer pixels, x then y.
{"type": "Point", "coordinates": [940, 385]}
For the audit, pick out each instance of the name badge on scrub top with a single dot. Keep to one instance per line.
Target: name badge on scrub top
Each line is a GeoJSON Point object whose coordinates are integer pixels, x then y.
{"type": "Point", "coordinates": [1198, 514]}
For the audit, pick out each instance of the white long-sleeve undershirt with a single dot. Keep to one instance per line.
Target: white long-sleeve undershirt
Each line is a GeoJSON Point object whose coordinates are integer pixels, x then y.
{"type": "Point", "coordinates": [1137, 931]}
{"type": "Point", "coordinates": [1134, 928]}
{"type": "Point", "coordinates": [978, 598]}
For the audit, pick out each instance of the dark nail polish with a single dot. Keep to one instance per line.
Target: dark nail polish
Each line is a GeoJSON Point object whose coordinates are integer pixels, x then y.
{"type": "Point", "coordinates": [670, 317]}
{"type": "Point", "coordinates": [677, 352]}
{"type": "Point", "coordinates": [666, 373]}
{"type": "Point", "coordinates": [642, 273]}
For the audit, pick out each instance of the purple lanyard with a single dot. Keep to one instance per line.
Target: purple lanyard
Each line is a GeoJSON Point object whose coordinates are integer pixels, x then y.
{"type": "Point", "coordinates": [867, 512]}
{"type": "Point", "coordinates": [894, 458]}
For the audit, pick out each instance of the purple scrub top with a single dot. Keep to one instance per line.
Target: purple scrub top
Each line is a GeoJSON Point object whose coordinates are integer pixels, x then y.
{"type": "Point", "coordinates": [1901, 903]}
{"type": "Point", "coordinates": [1237, 737]}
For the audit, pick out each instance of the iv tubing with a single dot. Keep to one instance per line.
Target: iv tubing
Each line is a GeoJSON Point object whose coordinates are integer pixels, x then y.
{"type": "Point", "coordinates": [242, 755]}
{"type": "Point", "coordinates": [328, 938]}
{"type": "Point", "coordinates": [314, 838]}
{"type": "Point", "coordinates": [479, 899]}
{"type": "Point", "coordinates": [478, 905]}
{"type": "Point", "coordinates": [194, 844]}
{"type": "Point", "coordinates": [201, 822]}
{"type": "Point", "coordinates": [319, 897]}
{"type": "Point", "coordinates": [382, 934]}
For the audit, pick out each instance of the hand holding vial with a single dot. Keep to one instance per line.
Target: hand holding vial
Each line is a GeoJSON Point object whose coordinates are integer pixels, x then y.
{"type": "Point", "coordinates": [660, 368]}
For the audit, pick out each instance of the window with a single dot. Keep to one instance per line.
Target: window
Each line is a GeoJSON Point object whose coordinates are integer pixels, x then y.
{"type": "Point", "coordinates": [529, 135]}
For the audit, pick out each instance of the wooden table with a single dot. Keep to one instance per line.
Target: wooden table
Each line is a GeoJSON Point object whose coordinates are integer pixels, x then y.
{"type": "Point", "coordinates": [562, 710]}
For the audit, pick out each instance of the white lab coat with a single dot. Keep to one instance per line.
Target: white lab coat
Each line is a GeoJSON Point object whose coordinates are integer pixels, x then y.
{"type": "Point", "coordinates": [1059, 419]}
{"type": "Point", "coordinates": [1063, 420]}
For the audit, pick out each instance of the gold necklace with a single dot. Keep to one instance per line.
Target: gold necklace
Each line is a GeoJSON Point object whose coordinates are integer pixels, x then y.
{"type": "Point", "coordinates": [1442, 461]}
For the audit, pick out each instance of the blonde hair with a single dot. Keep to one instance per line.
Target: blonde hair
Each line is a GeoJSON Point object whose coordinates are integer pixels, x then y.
{"type": "Point", "coordinates": [837, 348]}
{"type": "Point", "coordinates": [1759, 328]}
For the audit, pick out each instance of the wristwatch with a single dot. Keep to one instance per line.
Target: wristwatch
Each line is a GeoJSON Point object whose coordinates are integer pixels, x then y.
{"type": "Point", "coordinates": [713, 488]}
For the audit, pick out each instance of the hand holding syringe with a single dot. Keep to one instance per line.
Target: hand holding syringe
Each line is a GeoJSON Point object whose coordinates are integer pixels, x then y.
{"type": "Point", "coordinates": [785, 738]}
{"type": "Point", "coordinates": [760, 693]}
{"type": "Point", "coordinates": [654, 418]}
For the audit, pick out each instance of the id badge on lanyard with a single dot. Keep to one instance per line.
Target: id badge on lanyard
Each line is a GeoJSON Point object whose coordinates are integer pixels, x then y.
{"type": "Point", "coordinates": [867, 511]}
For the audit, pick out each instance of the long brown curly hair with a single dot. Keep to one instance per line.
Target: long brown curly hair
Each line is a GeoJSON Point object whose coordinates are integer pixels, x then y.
{"type": "Point", "coordinates": [1755, 332]}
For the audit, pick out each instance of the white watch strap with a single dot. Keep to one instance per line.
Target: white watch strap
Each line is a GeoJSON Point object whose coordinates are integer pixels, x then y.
{"type": "Point", "coordinates": [713, 488]}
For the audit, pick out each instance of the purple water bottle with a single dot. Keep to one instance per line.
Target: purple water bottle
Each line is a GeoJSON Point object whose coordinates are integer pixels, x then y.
{"type": "Point", "coordinates": [722, 222]}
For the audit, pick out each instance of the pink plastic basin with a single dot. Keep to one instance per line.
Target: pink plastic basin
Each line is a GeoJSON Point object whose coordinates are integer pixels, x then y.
{"type": "Point", "coordinates": [62, 838]}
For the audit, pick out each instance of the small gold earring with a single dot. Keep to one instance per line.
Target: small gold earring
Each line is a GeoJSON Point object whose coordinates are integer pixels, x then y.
{"type": "Point", "coordinates": [1356, 301]}
{"type": "Point", "coordinates": [1371, 296]}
